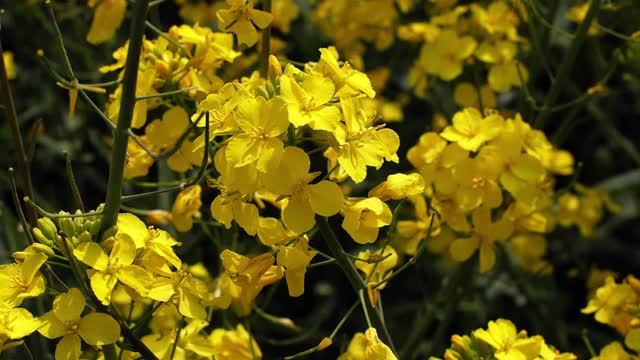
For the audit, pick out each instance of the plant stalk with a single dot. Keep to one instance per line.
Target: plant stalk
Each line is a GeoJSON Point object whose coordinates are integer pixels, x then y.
{"type": "Point", "coordinates": [127, 103]}
{"type": "Point", "coordinates": [569, 60]}
{"type": "Point", "coordinates": [21, 155]}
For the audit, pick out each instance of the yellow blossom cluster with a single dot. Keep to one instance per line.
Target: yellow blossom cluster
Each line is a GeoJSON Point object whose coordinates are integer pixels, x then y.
{"type": "Point", "coordinates": [617, 305]}
{"type": "Point", "coordinates": [496, 172]}
{"type": "Point", "coordinates": [459, 35]}
{"type": "Point", "coordinates": [501, 340]}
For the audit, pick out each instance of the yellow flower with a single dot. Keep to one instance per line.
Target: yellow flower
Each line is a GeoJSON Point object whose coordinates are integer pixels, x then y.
{"type": "Point", "coordinates": [584, 209]}
{"type": "Point", "coordinates": [106, 20]}
{"type": "Point", "coordinates": [360, 144]}
{"type": "Point", "coordinates": [446, 55]}
{"type": "Point", "coordinates": [186, 207]}
{"type": "Point", "coordinates": [398, 186]}
{"type": "Point", "coordinates": [609, 301]}
{"type": "Point", "coordinates": [235, 344]}
{"type": "Point", "coordinates": [187, 293]}
{"type": "Point", "coordinates": [367, 346]}
{"type": "Point", "coordinates": [467, 95]}
{"type": "Point", "coordinates": [261, 122]}
{"type": "Point", "coordinates": [272, 232]}
{"type": "Point", "coordinates": [191, 343]}
{"type": "Point", "coordinates": [349, 82]}
{"type": "Point", "coordinates": [117, 266]}
{"type": "Point", "coordinates": [165, 133]}
{"type": "Point", "coordinates": [410, 233]}
{"type": "Point", "coordinates": [508, 343]}
{"type": "Point", "coordinates": [505, 71]}
{"type": "Point", "coordinates": [498, 18]}
{"type": "Point", "coordinates": [138, 161]}
{"type": "Point", "coordinates": [307, 104]}
{"type": "Point", "coordinates": [377, 271]}
{"type": "Point", "coordinates": [363, 218]}
{"type": "Point", "coordinates": [530, 249]}
{"type": "Point", "coordinates": [65, 321]}
{"type": "Point", "coordinates": [245, 277]}
{"type": "Point", "coordinates": [240, 19]}
{"type": "Point", "coordinates": [284, 12]}
{"type": "Point", "coordinates": [295, 260]}
{"type": "Point", "coordinates": [236, 186]}
{"type": "Point", "coordinates": [484, 234]}
{"type": "Point", "coordinates": [22, 280]}
{"type": "Point", "coordinates": [291, 181]}
{"type": "Point", "coordinates": [614, 351]}
{"type": "Point", "coordinates": [15, 323]}
{"type": "Point", "coordinates": [470, 130]}
{"type": "Point", "coordinates": [477, 184]}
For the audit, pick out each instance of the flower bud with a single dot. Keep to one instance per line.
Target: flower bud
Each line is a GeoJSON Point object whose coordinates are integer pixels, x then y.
{"type": "Point", "coordinates": [47, 227]}
{"type": "Point", "coordinates": [67, 226]}
{"type": "Point", "coordinates": [39, 235]}
{"type": "Point", "coordinates": [110, 232]}
{"type": "Point", "coordinates": [324, 343]}
{"type": "Point", "coordinates": [84, 237]}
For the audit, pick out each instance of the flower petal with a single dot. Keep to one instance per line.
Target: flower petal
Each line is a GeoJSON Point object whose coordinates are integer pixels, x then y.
{"type": "Point", "coordinates": [99, 329]}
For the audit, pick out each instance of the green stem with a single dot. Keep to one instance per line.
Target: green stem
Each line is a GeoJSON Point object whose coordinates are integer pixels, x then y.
{"type": "Point", "coordinates": [566, 66]}
{"type": "Point", "coordinates": [266, 44]}
{"type": "Point", "coordinates": [72, 183]}
{"type": "Point", "coordinates": [352, 275]}
{"type": "Point", "coordinates": [109, 352]}
{"type": "Point", "coordinates": [12, 117]}
{"type": "Point", "coordinates": [127, 102]}
{"type": "Point", "coordinates": [21, 217]}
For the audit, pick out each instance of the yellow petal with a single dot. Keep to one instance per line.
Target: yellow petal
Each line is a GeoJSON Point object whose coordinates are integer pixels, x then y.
{"type": "Point", "coordinates": [31, 266]}
{"type": "Point", "coordinates": [297, 214]}
{"type": "Point", "coordinates": [136, 278]}
{"type": "Point", "coordinates": [106, 20]}
{"type": "Point", "coordinates": [68, 348]}
{"type": "Point", "coordinates": [102, 284]}
{"type": "Point", "coordinates": [99, 329]}
{"type": "Point", "coordinates": [462, 249]}
{"type": "Point", "coordinates": [124, 250]}
{"type": "Point", "coordinates": [69, 306]}
{"type": "Point", "coordinates": [326, 198]}
{"type": "Point", "coordinates": [92, 254]}
{"type": "Point", "coordinates": [134, 227]}
{"type": "Point", "coordinates": [51, 327]}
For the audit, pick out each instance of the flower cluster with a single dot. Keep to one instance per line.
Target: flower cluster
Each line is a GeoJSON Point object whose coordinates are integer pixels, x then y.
{"type": "Point", "coordinates": [616, 304]}
{"type": "Point", "coordinates": [501, 340]}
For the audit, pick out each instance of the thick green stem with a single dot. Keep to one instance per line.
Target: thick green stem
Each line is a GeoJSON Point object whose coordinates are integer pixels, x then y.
{"type": "Point", "coordinates": [12, 117]}
{"type": "Point", "coordinates": [127, 103]}
{"type": "Point", "coordinates": [265, 50]}
{"type": "Point", "coordinates": [565, 68]}
{"type": "Point", "coordinates": [352, 275]}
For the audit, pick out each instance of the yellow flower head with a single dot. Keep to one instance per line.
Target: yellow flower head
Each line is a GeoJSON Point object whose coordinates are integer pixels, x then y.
{"type": "Point", "coordinates": [398, 186]}
{"type": "Point", "coordinates": [295, 260]}
{"type": "Point", "coordinates": [235, 344]}
{"type": "Point", "coordinates": [446, 55]}
{"type": "Point", "coordinates": [307, 104]}
{"type": "Point", "coordinates": [470, 129]}
{"type": "Point", "coordinates": [186, 208]}
{"type": "Point", "coordinates": [65, 321]}
{"type": "Point", "coordinates": [291, 181]}
{"type": "Point", "coordinates": [242, 19]}
{"type": "Point", "coordinates": [261, 122]}
{"type": "Point", "coordinates": [367, 346]}
{"type": "Point", "coordinates": [22, 280]}
{"type": "Point", "coordinates": [509, 344]}
{"type": "Point", "coordinates": [364, 217]}
{"type": "Point", "coordinates": [106, 20]}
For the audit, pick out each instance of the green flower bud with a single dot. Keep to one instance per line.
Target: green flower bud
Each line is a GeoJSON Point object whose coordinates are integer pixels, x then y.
{"type": "Point", "coordinates": [39, 235]}
{"type": "Point", "coordinates": [47, 227]}
{"type": "Point", "coordinates": [84, 237]}
{"type": "Point", "coordinates": [67, 226]}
